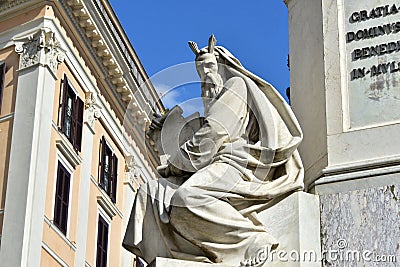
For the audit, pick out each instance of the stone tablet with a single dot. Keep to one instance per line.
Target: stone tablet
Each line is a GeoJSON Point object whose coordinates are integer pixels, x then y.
{"type": "Point", "coordinates": [370, 46]}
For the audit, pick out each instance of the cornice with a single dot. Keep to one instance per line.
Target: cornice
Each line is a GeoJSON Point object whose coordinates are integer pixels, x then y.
{"type": "Point", "coordinates": [111, 66]}
{"type": "Point", "coordinates": [139, 89]}
{"type": "Point", "coordinates": [129, 85]}
{"type": "Point", "coordinates": [8, 4]}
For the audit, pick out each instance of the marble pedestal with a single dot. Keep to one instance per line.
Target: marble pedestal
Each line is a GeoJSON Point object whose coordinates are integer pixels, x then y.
{"type": "Point", "coordinates": [295, 221]}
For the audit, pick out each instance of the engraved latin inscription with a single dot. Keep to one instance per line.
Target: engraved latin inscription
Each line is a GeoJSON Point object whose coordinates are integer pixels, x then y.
{"type": "Point", "coordinates": [372, 41]}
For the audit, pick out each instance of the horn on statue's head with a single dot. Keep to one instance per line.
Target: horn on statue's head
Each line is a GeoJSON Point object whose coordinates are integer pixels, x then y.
{"type": "Point", "coordinates": [194, 48]}
{"type": "Point", "coordinates": [211, 43]}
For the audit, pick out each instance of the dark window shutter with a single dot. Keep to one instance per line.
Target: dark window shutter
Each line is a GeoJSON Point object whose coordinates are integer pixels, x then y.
{"type": "Point", "coordinates": [102, 243]}
{"type": "Point", "coordinates": [64, 102]}
{"type": "Point", "coordinates": [113, 179]}
{"type": "Point", "coordinates": [2, 77]}
{"type": "Point", "coordinates": [65, 202]}
{"type": "Point", "coordinates": [58, 197]}
{"type": "Point", "coordinates": [73, 117]}
{"type": "Point", "coordinates": [62, 198]}
{"type": "Point", "coordinates": [102, 160]}
{"type": "Point", "coordinates": [99, 243]}
{"type": "Point", "coordinates": [78, 114]}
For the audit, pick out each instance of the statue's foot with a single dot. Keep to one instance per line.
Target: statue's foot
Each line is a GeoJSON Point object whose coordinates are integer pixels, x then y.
{"type": "Point", "coordinates": [259, 250]}
{"type": "Point", "coordinates": [256, 257]}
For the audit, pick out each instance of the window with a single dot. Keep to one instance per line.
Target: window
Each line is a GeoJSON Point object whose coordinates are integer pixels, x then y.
{"type": "Point", "coordinates": [61, 202]}
{"type": "Point", "coordinates": [2, 77]}
{"type": "Point", "coordinates": [102, 243]}
{"type": "Point", "coordinates": [71, 115]}
{"type": "Point", "coordinates": [108, 170]}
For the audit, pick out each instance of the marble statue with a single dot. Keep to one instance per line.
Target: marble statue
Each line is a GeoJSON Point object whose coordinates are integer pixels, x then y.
{"type": "Point", "coordinates": [240, 158]}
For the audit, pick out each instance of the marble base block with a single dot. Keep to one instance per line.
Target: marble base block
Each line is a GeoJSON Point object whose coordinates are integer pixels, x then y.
{"type": "Point", "coordinates": [295, 222]}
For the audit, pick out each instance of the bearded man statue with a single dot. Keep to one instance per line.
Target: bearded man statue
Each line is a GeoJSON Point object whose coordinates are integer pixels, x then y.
{"type": "Point", "coordinates": [242, 159]}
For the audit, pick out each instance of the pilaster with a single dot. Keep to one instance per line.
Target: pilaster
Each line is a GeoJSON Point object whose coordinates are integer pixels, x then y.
{"type": "Point", "coordinates": [40, 55]}
{"type": "Point", "coordinates": [131, 183]}
{"type": "Point", "coordinates": [91, 114]}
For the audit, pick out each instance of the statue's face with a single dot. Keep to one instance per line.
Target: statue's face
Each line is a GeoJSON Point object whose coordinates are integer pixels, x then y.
{"type": "Point", "coordinates": [206, 65]}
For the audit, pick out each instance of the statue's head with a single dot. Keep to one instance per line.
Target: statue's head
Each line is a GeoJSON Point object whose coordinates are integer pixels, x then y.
{"type": "Point", "coordinates": [207, 67]}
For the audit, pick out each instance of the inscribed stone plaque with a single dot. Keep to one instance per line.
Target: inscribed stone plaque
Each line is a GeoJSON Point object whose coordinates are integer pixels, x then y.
{"type": "Point", "coordinates": [372, 42]}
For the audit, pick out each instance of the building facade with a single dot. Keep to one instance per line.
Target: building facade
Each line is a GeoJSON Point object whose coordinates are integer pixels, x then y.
{"type": "Point", "coordinates": [75, 101]}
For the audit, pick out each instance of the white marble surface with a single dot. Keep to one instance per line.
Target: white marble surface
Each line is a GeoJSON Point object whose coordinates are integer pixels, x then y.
{"type": "Point", "coordinates": [249, 135]}
{"type": "Point", "coordinates": [307, 82]}
{"type": "Point", "coordinates": [361, 227]}
{"type": "Point", "coordinates": [295, 223]}
{"type": "Point", "coordinates": [342, 123]}
{"type": "Point", "coordinates": [372, 99]}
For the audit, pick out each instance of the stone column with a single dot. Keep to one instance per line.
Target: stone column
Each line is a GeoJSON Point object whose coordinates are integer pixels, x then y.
{"type": "Point", "coordinates": [345, 88]}
{"type": "Point", "coordinates": [40, 55]}
{"type": "Point", "coordinates": [92, 113]}
{"type": "Point", "coordinates": [345, 81]}
{"type": "Point", "coordinates": [307, 94]}
{"type": "Point", "coordinates": [131, 183]}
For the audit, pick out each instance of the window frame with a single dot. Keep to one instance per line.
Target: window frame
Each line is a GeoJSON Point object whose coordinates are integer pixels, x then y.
{"type": "Point", "coordinates": [61, 163]}
{"type": "Point", "coordinates": [3, 68]}
{"type": "Point", "coordinates": [77, 112]}
{"type": "Point", "coordinates": [112, 184]}
{"type": "Point", "coordinates": [106, 220]}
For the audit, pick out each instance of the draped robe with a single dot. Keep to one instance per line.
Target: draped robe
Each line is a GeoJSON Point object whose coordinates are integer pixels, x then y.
{"type": "Point", "coordinates": [242, 158]}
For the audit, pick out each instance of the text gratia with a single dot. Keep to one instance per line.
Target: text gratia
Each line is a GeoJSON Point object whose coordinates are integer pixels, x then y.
{"type": "Point", "coordinates": [378, 12]}
{"type": "Point", "coordinates": [375, 70]}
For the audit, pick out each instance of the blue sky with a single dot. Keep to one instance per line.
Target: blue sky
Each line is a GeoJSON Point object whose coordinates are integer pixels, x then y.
{"type": "Point", "coordinates": [254, 31]}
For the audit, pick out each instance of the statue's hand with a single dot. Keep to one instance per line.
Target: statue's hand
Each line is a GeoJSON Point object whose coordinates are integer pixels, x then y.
{"type": "Point", "coordinates": [158, 121]}
{"type": "Point", "coordinates": [163, 170]}
{"type": "Point", "coordinates": [156, 125]}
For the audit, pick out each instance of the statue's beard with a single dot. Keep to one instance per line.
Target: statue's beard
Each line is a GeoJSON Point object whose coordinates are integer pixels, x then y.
{"type": "Point", "coordinates": [211, 86]}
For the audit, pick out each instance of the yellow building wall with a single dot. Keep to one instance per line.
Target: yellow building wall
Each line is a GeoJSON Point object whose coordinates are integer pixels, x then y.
{"type": "Point", "coordinates": [47, 260]}
{"type": "Point", "coordinates": [23, 18]}
{"type": "Point", "coordinates": [62, 246]}
{"type": "Point", "coordinates": [7, 108]}
{"type": "Point", "coordinates": [51, 237]}
{"type": "Point", "coordinates": [115, 227]}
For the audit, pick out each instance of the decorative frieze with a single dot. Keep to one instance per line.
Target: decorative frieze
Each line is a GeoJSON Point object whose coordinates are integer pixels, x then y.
{"type": "Point", "coordinates": [42, 48]}
{"type": "Point", "coordinates": [132, 171]}
{"type": "Point", "coordinates": [92, 112]}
